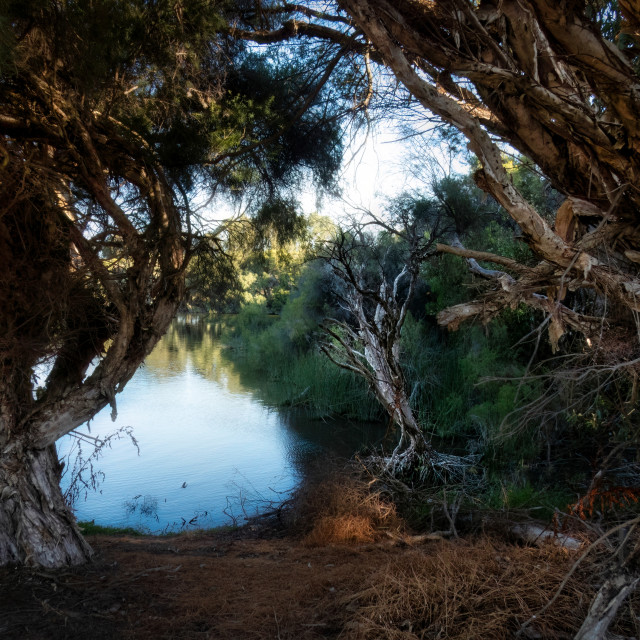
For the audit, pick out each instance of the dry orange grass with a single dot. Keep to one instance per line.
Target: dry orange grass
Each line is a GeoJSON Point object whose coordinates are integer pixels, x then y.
{"type": "Point", "coordinates": [340, 530]}
{"type": "Point", "coordinates": [339, 577]}
{"type": "Point", "coordinates": [230, 587]}
{"type": "Point", "coordinates": [341, 508]}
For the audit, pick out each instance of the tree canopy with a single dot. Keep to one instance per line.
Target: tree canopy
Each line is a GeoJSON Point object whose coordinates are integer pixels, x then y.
{"type": "Point", "coordinates": [112, 115]}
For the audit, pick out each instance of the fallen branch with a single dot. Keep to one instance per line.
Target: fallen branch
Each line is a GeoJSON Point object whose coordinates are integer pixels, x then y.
{"type": "Point", "coordinates": [540, 535]}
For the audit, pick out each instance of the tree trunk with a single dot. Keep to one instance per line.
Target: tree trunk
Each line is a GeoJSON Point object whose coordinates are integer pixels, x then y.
{"type": "Point", "coordinates": [37, 528]}
{"type": "Point", "coordinates": [412, 442]}
{"type": "Point", "coordinates": [382, 352]}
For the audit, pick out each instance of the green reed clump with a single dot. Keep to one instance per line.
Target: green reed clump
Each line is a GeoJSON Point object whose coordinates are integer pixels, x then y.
{"type": "Point", "coordinates": [279, 356]}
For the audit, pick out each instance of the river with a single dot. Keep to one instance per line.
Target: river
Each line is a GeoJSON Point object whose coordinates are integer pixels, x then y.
{"type": "Point", "coordinates": [210, 451]}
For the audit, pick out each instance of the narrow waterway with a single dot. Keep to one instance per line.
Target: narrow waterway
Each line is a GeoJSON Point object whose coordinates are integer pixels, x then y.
{"type": "Point", "coordinates": [209, 450]}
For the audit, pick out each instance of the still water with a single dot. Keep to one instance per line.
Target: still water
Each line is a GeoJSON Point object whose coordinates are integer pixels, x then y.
{"type": "Point", "coordinates": [211, 451]}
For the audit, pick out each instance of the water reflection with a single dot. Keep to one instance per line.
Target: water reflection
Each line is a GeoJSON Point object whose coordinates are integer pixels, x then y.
{"type": "Point", "coordinates": [210, 448]}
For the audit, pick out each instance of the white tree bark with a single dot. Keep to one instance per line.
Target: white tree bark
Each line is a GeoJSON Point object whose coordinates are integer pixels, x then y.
{"type": "Point", "coordinates": [372, 349]}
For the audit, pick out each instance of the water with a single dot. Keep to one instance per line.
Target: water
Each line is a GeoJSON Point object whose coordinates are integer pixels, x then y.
{"type": "Point", "coordinates": [210, 450]}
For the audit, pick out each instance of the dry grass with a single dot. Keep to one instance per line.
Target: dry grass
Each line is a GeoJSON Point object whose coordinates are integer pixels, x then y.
{"type": "Point", "coordinates": [339, 577]}
{"type": "Point", "coordinates": [481, 589]}
{"type": "Point", "coordinates": [340, 530]}
{"type": "Point", "coordinates": [339, 506]}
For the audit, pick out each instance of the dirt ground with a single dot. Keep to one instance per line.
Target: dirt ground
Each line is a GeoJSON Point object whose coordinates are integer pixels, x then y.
{"type": "Point", "coordinates": [254, 584]}
{"type": "Point", "coordinates": [229, 585]}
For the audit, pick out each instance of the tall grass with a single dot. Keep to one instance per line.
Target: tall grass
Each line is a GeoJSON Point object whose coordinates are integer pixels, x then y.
{"type": "Point", "coordinates": [283, 363]}
{"type": "Point", "coordinates": [444, 376]}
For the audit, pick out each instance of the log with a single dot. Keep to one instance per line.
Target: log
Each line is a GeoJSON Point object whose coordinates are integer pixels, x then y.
{"type": "Point", "coordinates": [540, 535]}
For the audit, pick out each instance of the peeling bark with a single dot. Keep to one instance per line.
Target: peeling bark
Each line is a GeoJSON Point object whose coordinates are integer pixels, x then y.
{"type": "Point", "coordinates": [82, 285]}
{"type": "Point", "coordinates": [37, 528]}
{"type": "Point", "coordinates": [382, 354]}
{"type": "Point", "coordinates": [555, 81]}
{"type": "Point", "coordinates": [381, 368]}
{"type": "Point", "coordinates": [370, 345]}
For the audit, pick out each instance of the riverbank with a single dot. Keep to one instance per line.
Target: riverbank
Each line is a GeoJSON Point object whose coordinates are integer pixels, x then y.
{"type": "Point", "coordinates": [336, 560]}
{"type": "Point", "coordinates": [261, 583]}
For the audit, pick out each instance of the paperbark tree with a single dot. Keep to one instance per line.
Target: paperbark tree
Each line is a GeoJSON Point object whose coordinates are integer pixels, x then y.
{"type": "Point", "coordinates": [110, 113]}
{"type": "Point", "coordinates": [544, 79]}
{"type": "Point", "coordinates": [82, 278]}
{"type": "Point", "coordinates": [376, 277]}
{"type": "Point", "coordinates": [368, 343]}
{"type": "Point", "coordinates": [560, 83]}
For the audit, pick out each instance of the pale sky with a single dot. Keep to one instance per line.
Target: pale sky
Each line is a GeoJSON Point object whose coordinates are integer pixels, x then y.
{"type": "Point", "coordinates": [377, 166]}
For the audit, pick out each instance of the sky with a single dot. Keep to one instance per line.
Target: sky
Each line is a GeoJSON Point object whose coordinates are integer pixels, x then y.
{"type": "Point", "coordinates": [377, 166]}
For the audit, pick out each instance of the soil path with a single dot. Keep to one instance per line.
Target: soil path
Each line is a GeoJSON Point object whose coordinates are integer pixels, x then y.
{"type": "Point", "coordinates": [248, 584]}
{"type": "Point", "coordinates": [201, 586]}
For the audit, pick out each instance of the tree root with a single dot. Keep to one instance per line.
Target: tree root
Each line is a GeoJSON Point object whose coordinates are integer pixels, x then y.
{"type": "Point", "coordinates": [441, 467]}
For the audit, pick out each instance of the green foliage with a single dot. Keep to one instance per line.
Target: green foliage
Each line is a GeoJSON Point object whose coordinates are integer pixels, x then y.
{"type": "Point", "coordinates": [274, 359]}
{"type": "Point", "coordinates": [279, 219]}
{"type": "Point", "coordinates": [445, 373]}
{"type": "Point", "coordinates": [212, 277]}
{"type": "Point", "coordinates": [262, 261]}
{"type": "Point", "coordinates": [497, 238]}
{"type": "Point", "coordinates": [465, 207]}
{"type": "Point", "coordinates": [266, 276]}
{"type": "Point", "coordinates": [280, 355]}
{"type": "Point", "coordinates": [541, 501]}
{"type": "Point", "coordinates": [265, 100]}
{"type": "Point", "coordinates": [441, 382]}
{"type": "Point", "coordinates": [312, 382]}
{"type": "Point", "coordinates": [251, 319]}
{"type": "Point", "coordinates": [449, 377]}
{"type": "Point", "coordinates": [464, 386]}
{"type": "Point", "coordinates": [99, 43]}
{"type": "Point", "coordinates": [448, 278]}
{"type": "Point", "coordinates": [206, 107]}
